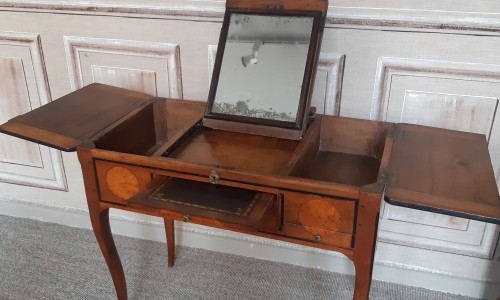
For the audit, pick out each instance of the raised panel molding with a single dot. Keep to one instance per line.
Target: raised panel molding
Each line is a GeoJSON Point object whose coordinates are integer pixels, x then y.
{"type": "Point", "coordinates": [461, 112]}
{"type": "Point", "coordinates": [14, 100]}
{"type": "Point", "coordinates": [26, 88]}
{"type": "Point", "coordinates": [387, 67]}
{"type": "Point", "coordinates": [110, 54]}
{"type": "Point", "coordinates": [331, 66]}
{"type": "Point", "coordinates": [451, 111]}
{"type": "Point", "coordinates": [328, 84]}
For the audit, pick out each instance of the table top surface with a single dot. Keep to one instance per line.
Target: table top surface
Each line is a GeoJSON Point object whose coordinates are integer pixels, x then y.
{"type": "Point", "coordinates": [442, 171]}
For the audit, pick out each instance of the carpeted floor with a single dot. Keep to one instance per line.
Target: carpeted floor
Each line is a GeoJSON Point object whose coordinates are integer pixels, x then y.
{"type": "Point", "coordinates": [49, 261]}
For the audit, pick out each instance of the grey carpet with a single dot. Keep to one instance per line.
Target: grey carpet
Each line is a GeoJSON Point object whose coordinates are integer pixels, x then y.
{"type": "Point", "coordinates": [50, 261]}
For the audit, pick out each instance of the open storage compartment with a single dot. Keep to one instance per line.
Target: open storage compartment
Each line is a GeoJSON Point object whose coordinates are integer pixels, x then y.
{"type": "Point", "coordinates": [343, 150]}
{"type": "Point", "coordinates": [147, 130]}
{"type": "Point", "coordinates": [233, 150]}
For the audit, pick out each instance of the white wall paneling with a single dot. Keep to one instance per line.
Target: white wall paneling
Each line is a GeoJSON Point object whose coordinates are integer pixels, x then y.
{"type": "Point", "coordinates": [15, 99]}
{"type": "Point", "coordinates": [149, 67]}
{"type": "Point", "coordinates": [24, 86]}
{"type": "Point", "coordinates": [327, 86]}
{"type": "Point", "coordinates": [423, 92]}
{"type": "Point", "coordinates": [449, 15]}
{"type": "Point", "coordinates": [436, 61]}
{"type": "Point", "coordinates": [387, 67]}
{"type": "Point", "coordinates": [137, 80]}
{"type": "Point", "coordinates": [458, 112]}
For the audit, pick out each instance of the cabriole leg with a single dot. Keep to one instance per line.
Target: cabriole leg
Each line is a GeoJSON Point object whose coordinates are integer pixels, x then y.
{"type": "Point", "coordinates": [102, 231]}
{"type": "Point", "coordinates": [99, 217]}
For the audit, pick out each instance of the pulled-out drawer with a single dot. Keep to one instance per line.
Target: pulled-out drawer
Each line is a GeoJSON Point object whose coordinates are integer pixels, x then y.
{"type": "Point", "coordinates": [328, 221]}
{"type": "Point", "coordinates": [203, 203]}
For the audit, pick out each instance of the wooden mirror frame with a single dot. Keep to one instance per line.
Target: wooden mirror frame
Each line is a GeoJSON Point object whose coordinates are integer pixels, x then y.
{"type": "Point", "coordinates": [275, 128]}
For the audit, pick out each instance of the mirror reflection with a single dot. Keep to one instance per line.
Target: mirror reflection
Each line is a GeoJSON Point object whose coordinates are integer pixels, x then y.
{"type": "Point", "coordinates": [263, 66]}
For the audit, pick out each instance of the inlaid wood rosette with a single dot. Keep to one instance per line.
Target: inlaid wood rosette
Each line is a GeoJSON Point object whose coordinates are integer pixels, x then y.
{"type": "Point", "coordinates": [122, 182]}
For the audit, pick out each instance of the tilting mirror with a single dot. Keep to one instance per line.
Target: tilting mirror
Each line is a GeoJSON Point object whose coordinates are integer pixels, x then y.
{"type": "Point", "coordinates": [263, 72]}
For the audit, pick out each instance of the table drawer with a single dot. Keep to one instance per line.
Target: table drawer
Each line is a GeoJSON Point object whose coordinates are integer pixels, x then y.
{"type": "Point", "coordinates": [324, 220]}
{"type": "Point", "coordinates": [204, 203]}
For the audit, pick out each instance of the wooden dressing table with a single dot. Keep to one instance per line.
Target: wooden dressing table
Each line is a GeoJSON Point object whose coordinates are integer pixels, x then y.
{"type": "Point", "coordinates": [312, 180]}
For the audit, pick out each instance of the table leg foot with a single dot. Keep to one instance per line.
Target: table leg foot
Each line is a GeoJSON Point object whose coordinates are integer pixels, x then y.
{"type": "Point", "coordinates": [170, 231]}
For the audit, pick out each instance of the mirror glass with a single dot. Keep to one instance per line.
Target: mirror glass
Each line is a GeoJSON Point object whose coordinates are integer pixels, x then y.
{"type": "Point", "coordinates": [263, 66]}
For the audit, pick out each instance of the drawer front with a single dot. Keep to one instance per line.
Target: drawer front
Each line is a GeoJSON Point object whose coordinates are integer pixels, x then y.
{"type": "Point", "coordinates": [328, 221]}
{"type": "Point", "coordinates": [119, 182]}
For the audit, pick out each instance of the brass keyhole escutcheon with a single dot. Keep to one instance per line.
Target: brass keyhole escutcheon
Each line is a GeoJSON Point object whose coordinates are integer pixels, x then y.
{"type": "Point", "coordinates": [214, 177]}
{"type": "Point", "coordinates": [317, 238]}
{"type": "Point", "coordinates": [186, 218]}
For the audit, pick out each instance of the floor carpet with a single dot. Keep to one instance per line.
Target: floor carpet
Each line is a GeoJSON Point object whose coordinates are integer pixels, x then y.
{"type": "Point", "coordinates": [50, 261]}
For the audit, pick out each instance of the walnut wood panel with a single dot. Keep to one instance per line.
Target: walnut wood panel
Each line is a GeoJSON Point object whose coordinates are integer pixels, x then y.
{"type": "Point", "coordinates": [353, 136]}
{"type": "Point", "coordinates": [460, 167]}
{"type": "Point", "coordinates": [81, 116]}
{"type": "Point", "coordinates": [117, 183]}
{"type": "Point", "coordinates": [181, 114]}
{"type": "Point", "coordinates": [216, 148]}
{"type": "Point", "coordinates": [271, 220]}
{"type": "Point", "coordinates": [140, 130]}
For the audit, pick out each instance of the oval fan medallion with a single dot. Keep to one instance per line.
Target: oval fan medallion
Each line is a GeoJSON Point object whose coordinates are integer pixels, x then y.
{"type": "Point", "coordinates": [122, 182]}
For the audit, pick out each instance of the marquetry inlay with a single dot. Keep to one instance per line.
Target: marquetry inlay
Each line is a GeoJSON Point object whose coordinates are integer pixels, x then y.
{"type": "Point", "coordinates": [320, 214]}
{"type": "Point", "coordinates": [122, 182]}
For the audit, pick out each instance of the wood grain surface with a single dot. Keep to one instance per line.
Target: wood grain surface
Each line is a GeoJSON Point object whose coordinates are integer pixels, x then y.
{"type": "Point", "coordinates": [442, 170]}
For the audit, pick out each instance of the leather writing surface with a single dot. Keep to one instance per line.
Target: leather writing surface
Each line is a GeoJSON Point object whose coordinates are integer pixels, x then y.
{"type": "Point", "coordinates": [205, 195]}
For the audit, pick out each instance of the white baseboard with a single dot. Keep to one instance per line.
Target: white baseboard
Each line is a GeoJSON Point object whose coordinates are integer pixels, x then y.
{"type": "Point", "coordinates": [190, 235]}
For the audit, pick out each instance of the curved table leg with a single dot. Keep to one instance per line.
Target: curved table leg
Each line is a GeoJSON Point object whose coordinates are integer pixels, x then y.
{"type": "Point", "coordinates": [170, 231]}
{"type": "Point", "coordinates": [99, 217]}
{"type": "Point", "coordinates": [366, 239]}
{"type": "Point", "coordinates": [102, 231]}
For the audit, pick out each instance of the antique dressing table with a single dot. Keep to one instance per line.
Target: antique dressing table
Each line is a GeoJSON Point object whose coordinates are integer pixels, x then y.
{"type": "Point", "coordinates": [256, 158]}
